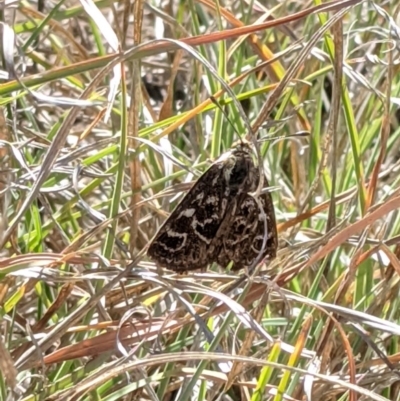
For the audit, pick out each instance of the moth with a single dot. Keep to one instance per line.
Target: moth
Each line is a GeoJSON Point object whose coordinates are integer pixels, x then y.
{"type": "Point", "coordinates": [218, 220]}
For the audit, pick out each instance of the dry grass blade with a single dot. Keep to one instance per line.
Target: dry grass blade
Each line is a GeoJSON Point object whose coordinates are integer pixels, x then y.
{"type": "Point", "coordinates": [248, 341]}
{"type": "Point", "coordinates": [5, 177]}
{"type": "Point", "coordinates": [7, 367]}
{"type": "Point", "coordinates": [133, 126]}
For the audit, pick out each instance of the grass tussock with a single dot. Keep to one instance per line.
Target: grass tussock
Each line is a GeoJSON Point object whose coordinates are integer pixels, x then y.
{"type": "Point", "coordinates": [107, 120]}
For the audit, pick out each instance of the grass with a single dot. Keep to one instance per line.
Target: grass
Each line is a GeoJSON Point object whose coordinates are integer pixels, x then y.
{"type": "Point", "coordinates": [91, 167]}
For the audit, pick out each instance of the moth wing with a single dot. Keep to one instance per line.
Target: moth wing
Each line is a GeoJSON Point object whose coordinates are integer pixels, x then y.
{"type": "Point", "coordinates": [245, 231]}
{"type": "Point", "coordinates": [185, 241]}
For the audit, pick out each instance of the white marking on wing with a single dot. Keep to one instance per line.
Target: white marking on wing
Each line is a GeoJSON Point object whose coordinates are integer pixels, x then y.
{"type": "Point", "coordinates": [187, 213]}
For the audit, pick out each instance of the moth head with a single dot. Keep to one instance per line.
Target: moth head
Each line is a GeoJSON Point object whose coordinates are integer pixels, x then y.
{"type": "Point", "coordinates": [242, 146]}
{"type": "Point", "coordinates": [237, 165]}
{"type": "Point", "coordinates": [240, 170]}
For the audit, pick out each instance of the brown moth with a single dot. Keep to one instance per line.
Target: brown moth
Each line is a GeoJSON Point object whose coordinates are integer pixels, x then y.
{"type": "Point", "coordinates": [218, 221]}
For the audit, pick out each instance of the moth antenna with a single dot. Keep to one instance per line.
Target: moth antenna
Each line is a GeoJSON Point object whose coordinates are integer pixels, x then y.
{"type": "Point", "coordinates": [275, 138]}
{"type": "Point", "coordinates": [215, 101]}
